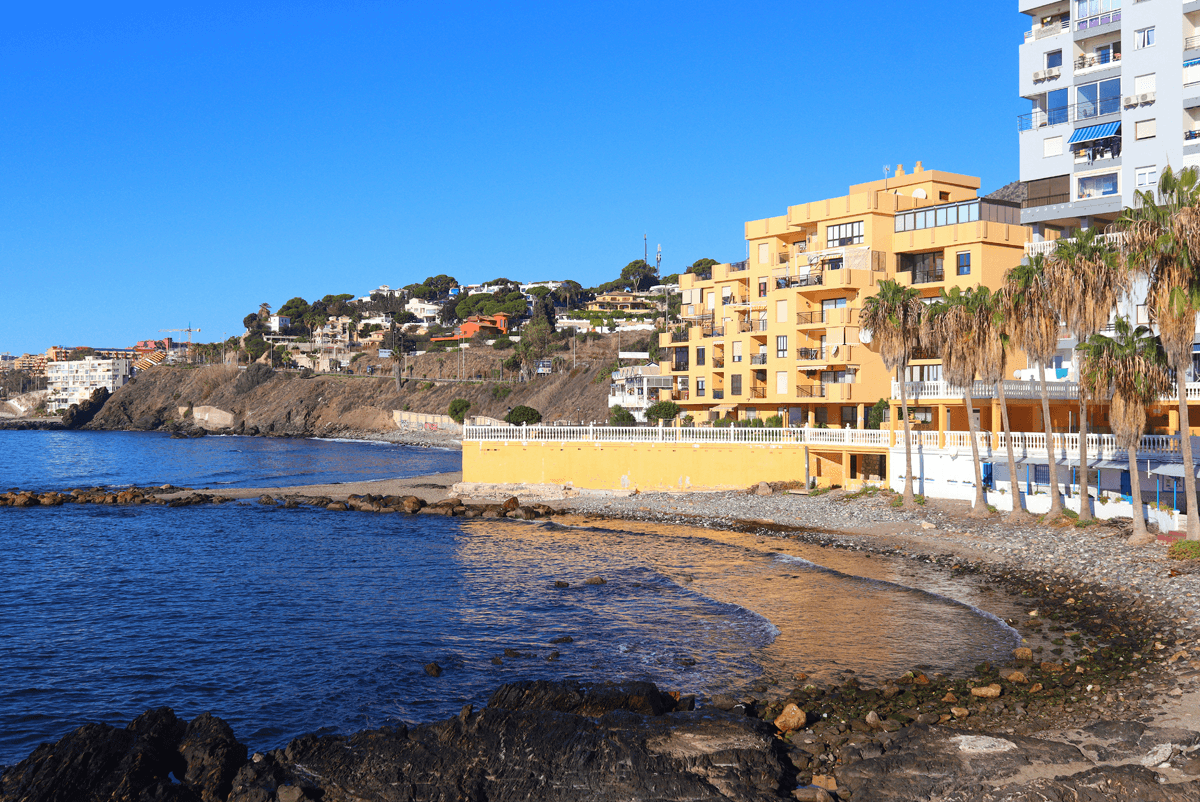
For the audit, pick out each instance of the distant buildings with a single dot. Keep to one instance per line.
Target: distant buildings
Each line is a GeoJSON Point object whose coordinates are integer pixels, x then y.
{"type": "Point", "coordinates": [72, 382]}
{"type": "Point", "coordinates": [636, 388]}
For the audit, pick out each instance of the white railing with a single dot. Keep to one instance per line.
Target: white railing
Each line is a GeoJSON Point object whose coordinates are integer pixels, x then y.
{"type": "Point", "coordinates": [1013, 388]}
{"type": "Point", "coordinates": [1046, 247]}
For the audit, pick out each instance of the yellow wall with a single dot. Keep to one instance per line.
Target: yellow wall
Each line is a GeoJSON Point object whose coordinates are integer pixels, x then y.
{"type": "Point", "coordinates": [646, 466]}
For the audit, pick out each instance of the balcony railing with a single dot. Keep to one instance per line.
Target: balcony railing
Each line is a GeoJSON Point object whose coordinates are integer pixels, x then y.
{"type": "Point", "coordinates": [758, 359]}
{"type": "Point", "coordinates": [924, 353]}
{"type": "Point", "coordinates": [1067, 114]}
{"type": "Point", "coordinates": [810, 391]}
{"type": "Point", "coordinates": [718, 395]}
{"type": "Point", "coordinates": [928, 276]}
{"type": "Point", "coordinates": [679, 336]}
{"type": "Point", "coordinates": [809, 318]}
{"type": "Point", "coordinates": [1049, 200]}
{"type": "Point", "coordinates": [1052, 29]}
{"type": "Point", "coordinates": [1097, 60]}
{"type": "Point", "coordinates": [810, 354]}
{"type": "Point", "coordinates": [735, 267]}
{"type": "Point", "coordinates": [1098, 20]}
{"type": "Point", "coordinates": [752, 325]}
{"type": "Point", "coordinates": [1194, 134]}
{"type": "Point", "coordinates": [679, 395]}
{"type": "Point", "coordinates": [1046, 247]}
{"type": "Point", "coordinates": [1191, 43]}
{"type": "Point", "coordinates": [758, 392]}
{"type": "Point", "coordinates": [718, 363]}
{"type": "Point", "coordinates": [715, 331]}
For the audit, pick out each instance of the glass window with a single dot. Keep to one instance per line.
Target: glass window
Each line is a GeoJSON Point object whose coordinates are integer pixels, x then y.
{"type": "Point", "coordinates": [762, 289]}
{"type": "Point", "coordinates": [821, 415]}
{"type": "Point", "coordinates": [699, 355]}
{"type": "Point", "coordinates": [1096, 186]}
{"type": "Point", "coordinates": [735, 384]}
{"type": "Point", "coordinates": [781, 346]}
{"type": "Point", "coordinates": [964, 263]}
{"type": "Point", "coordinates": [844, 234]}
{"type": "Point", "coordinates": [834, 264]}
{"type": "Point", "coordinates": [1145, 129]}
{"type": "Point", "coordinates": [849, 416]}
{"type": "Point", "coordinates": [941, 217]}
{"type": "Point", "coordinates": [700, 386]}
{"type": "Point", "coordinates": [1056, 107]}
{"type": "Point", "coordinates": [1054, 59]}
{"type": "Point", "coordinates": [1143, 38]}
{"type": "Point", "coordinates": [920, 221]}
{"type": "Point", "coordinates": [1146, 177]}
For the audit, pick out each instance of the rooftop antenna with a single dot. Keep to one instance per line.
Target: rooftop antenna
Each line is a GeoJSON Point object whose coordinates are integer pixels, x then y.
{"type": "Point", "coordinates": [887, 169]}
{"type": "Point", "coordinates": [645, 249]}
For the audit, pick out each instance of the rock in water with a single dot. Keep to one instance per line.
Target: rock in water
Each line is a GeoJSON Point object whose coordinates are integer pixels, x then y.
{"type": "Point", "coordinates": [595, 580]}
{"type": "Point", "coordinates": [792, 718]}
{"type": "Point", "coordinates": [510, 504]}
{"type": "Point", "coordinates": [433, 670]}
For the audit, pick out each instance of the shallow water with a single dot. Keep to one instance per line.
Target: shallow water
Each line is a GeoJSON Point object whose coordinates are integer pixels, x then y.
{"type": "Point", "coordinates": [289, 621]}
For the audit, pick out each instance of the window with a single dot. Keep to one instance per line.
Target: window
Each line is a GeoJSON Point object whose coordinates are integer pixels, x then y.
{"type": "Point", "coordinates": [762, 289]}
{"type": "Point", "coordinates": [1143, 315]}
{"type": "Point", "coordinates": [700, 386]}
{"type": "Point", "coordinates": [1147, 177]}
{"type": "Point", "coordinates": [1145, 129]}
{"type": "Point", "coordinates": [925, 267]}
{"type": "Point", "coordinates": [821, 415]}
{"type": "Point", "coordinates": [1143, 38]}
{"type": "Point", "coordinates": [1191, 71]}
{"type": "Point", "coordinates": [844, 234]}
{"type": "Point", "coordinates": [1052, 146]}
{"type": "Point", "coordinates": [1053, 59]}
{"type": "Point", "coordinates": [735, 384]}
{"type": "Point", "coordinates": [1056, 107]}
{"type": "Point", "coordinates": [1144, 84]}
{"type": "Point", "coordinates": [737, 350]}
{"type": "Point", "coordinates": [699, 355]}
{"type": "Point", "coordinates": [781, 311]}
{"type": "Point", "coordinates": [836, 377]}
{"type": "Point", "coordinates": [834, 264]}
{"type": "Point", "coordinates": [1101, 97]}
{"type": "Point", "coordinates": [781, 382]}
{"type": "Point", "coordinates": [1097, 186]}
{"type": "Point", "coordinates": [849, 416]}
{"type": "Point", "coordinates": [764, 253]}
{"type": "Point", "coordinates": [964, 263]}
{"type": "Point", "coordinates": [781, 346]}
{"type": "Point", "coordinates": [943, 196]}
{"type": "Point", "coordinates": [967, 212]}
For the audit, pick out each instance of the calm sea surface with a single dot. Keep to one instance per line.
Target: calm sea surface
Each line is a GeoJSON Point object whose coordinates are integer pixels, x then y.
{"type": "Point", "coordinates": [292, 621]}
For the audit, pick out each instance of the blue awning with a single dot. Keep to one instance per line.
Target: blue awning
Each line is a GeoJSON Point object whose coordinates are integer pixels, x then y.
{"type": "Point", "coordinates": [1094, 132]}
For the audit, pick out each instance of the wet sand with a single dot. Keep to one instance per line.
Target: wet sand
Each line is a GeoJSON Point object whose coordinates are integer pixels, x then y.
{"type": "Point", "coordinates": [430, 487]}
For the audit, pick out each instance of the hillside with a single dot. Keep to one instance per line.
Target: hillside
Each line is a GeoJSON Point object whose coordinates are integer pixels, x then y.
{"type": "Point", "coordinates": [330, 405]}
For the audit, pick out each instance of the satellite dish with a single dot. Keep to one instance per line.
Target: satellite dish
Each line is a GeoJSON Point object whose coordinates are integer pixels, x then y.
{"type": "Point", "coordinates": [919, 193]}
{"type": "Point", "coordinates": [864, 336]}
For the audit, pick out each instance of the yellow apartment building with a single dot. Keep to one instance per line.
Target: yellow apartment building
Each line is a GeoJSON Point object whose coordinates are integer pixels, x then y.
{"type": "Point", "coordinates": [778, 333]}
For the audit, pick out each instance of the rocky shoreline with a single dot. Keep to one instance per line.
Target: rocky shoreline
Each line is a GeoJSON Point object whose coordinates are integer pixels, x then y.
{"type": "Point", "coordinates": [1105, 705]}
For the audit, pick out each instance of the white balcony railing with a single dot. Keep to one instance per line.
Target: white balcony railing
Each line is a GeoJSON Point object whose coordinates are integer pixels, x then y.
{"type": "Point", "coordinates": [1046, 247]}
{"type": "Point", "coordinates": [1013, 389]}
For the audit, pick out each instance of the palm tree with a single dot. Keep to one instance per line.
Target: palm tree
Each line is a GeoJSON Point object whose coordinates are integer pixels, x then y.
{"type": "Point", "coordinates": [950, 325]}
{"type": "Point", "coordinates": [1134, 366]}
{"type": "Point", "coordinates": [1033, 324]}
{"type": "Point", "coordinates": [1163, 243]}
{"type": "Point", "coordinates": [995, 339]}
{"type": "Point", "coordinates": [1086, 277]}
{"type": "Point", "coordinates": [893, 316]}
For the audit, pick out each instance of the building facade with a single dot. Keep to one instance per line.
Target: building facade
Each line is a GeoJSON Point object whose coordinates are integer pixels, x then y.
{"type": "Point", "coordinates": [72, 382]}
{"type": "Point", "coordinates": [1114, 92]}
{"type": "Point", "coordinates": [778, 334]}
{"type": "Point", "coordinates": [637, 387]}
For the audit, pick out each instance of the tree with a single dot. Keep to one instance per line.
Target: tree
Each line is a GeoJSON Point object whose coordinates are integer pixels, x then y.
{"type": "Point", "coordinates": [874, 414]}
{"type": "Point", "coordinates": [523, 414]}
{"type": "Point", "coordinates": [1134, 366]}
{"type": "Point", "coordinates": [1161, 233]}
{"type": "Point", "coordinates": [539, 292]}
{"type": "Point", "coordinates": [535, 343]}
{"type": "Point", "coordinates": [703, 267]}
{"type": "Point", "coordinates": [264, 311]}
{"type": "Point", "coordinates": [446, 313]}
{"type": "Point", "coordinates": [569, 292]}
{"type": "Point", "coordinates": [458, 409]}
{"type": "Point", "coordinates": [893, 316]}
{"type": "Point", "coordinates": [441, 284]}
{"type": "Point", "coordinates": [250, 321]}
{"type": "Point", "coordinates": [1033, 326]}
{"type": "Point", "coordinates": [619, 416]}
{"type": "Point", "coordinates": [295, 308]}
{"type": "Point", "coordinates": [994, 339]}
{"type": "Point", "coordinates": [950, 325]}
{"type": "Point", "coordinates": [638, 276]}
{"type": "Point", "coordinates": [662, 410]}
{"type": "Point", "coordinates": [1086, 278]}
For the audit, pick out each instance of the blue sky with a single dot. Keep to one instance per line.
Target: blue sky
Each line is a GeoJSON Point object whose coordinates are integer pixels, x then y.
{"type": "Point", "coordinates": [169, 164]}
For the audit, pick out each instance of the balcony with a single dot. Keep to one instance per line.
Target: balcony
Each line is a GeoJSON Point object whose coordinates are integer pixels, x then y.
{"type": "Point", "coordinates": [737, 267]}
{"type": "Point", "coordinates": [752, 325]}
{"type": "Point", "coordinates": [1191, 43]}
{"type": "Point", "coordinates": [1046, 247]}
{"type": "Point", "coordinates": [758, 392]}
{"type": "Point", "coordinates": [928, 276]}
{"type": "Point", "coordinates": [758, 359]}
{"type": "Point", "coordinates": [679, 336]}
{"type": "Point", "coordinates": [1098, 20]}
{"type": "Point", "coordinates": [1053, 28]}
{"type": "Point", "coordinates": [715, 331]}
{"type": "Point", "coordinates": [1068, 114]}
{"type": "Point", "coordinates": [718, 395]}
{"type": "Point", "coordinates": [680, 395]}
{"type": "Point", "coordinates": [924, 353]}
{"type": "Point", "coordinates": [1096, 60]}
{"type": "Point", "coordinates": [718, 363]}
{"type": "Point", "coordinates": [835, 317]}
{"type": "Point", "coordinates": [1193, 134]}
{"type": "Point", "coordinates": [810, 354]}
{"type": "Point", "coordinates": [810, 391]}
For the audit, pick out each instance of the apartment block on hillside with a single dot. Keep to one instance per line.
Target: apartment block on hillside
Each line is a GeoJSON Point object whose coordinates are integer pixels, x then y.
{"type": "Point", "coordinates": [72, 382]}
{"type": "Point", "coordinates": [778, 333]}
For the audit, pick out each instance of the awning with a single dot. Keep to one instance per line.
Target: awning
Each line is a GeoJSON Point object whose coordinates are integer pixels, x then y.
{"type": "Point", "coordinates": [1093, 464]}
{"type": "Point", "coordinates": [1094, 132]}
{"type": "Point", "coordinates": [723, 408]}
{"type": "Point", "coordinates": [1174, 469]}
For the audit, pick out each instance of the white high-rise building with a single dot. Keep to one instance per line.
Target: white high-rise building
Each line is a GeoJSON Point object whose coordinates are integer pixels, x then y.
{"type": "Point", "coordinates": [1114, 91]}
{"type": "Point", "coordinates": [72, 382]}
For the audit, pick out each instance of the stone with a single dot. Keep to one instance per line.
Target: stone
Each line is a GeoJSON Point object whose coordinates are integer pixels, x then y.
{"type": "Point", "coordinates": [986, 691]}
{"type": "Point", "coordinates": [510, 504]}
{"type": "Point", "coordinates": [812, 793]}
{"type": "Point", "coordinates": [949, 698]}
{"type": "Point", "coordinates": [960, 712]}
{"type": "Point", "coordinates": [412, 504]}
{"type": "Point", "coordinates": [433, 670]}
{"type": "Point", "coordinates": [1035, 687]}
{"type": "Point", "coordinates": [336, 506]}
{"type": "Point", "coordinates": [561, 584]}
{"type": "Point", "coordinates": [266, 500]}
{"type": "Point", "coordinates": [1191, 767]}
{"type": "Point", "coordinates": [1052, 668]}
{"type": "Point", "coordinates": [1158, 755]}
{"type": "Point", "coordinates": [763, 489]}
{"type": "Point", "coordinates": [1017, 678]}
{"type": "Point", "coordinates": [792, 718]}
{"type": "Point", "coordinates": [562, 639]}
{"type": "Point", "coordinates": [522, 514]}
{"type": "Point", "coordinates": [927, 525]}
{"type": "Point", "coordinates": [595, 580]}
{"type": "Point", "coordinates": [1023, 653]}
{"type": "Point", "coordinates": [873, 720]}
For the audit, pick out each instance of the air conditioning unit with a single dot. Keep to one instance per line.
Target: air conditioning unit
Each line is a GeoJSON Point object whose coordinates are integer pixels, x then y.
{"type": "Point", "coordinates": [1131, 100]}
{"type": "Point", "coordinates": [1052, 72]}
{"type": "Point", "coordinates": [1039, 75]}
{"type": "Point", "coordinates": [1147, 97]}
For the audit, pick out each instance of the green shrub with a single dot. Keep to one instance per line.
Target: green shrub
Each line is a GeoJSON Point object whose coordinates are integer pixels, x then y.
{"type": "Point", "coordinates": [619, 416]}
{"type": "Point", "coordinates": [1184, 550]}
{"type": "Point", "coordinates": [458, 409]}
{"type": "Point", "coordinates": [774, 422]}
{"type": "Point", "coordinates": [425, 386]}
{"type": "Point", "coordinates": [501, 391]}
{"type": "Point", "coordinates": [523, 414]}
{"type": "Point", "coordinates": [723, 423]}
{"type": "Point", "coordinates": [756, 423]}
{"type": "Point", "coordinates": [502, 343]}
{"type": "Point", "coordinates": [513, 362]}
{"type": "Point", "coordinates": [920, 499]}
{"type": "Point", "coordinates": [662, 410]}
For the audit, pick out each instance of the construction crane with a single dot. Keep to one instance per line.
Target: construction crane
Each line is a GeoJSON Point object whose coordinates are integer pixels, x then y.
{"type": "Point", "coordinates": [189, 331]}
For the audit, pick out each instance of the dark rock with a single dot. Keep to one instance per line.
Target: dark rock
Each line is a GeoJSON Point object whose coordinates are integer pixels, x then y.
{"type": "Point", "coordinates": [562, 638]}
{"type": "Point", "coordinates": [266, 500]}
{"type": "Point", "coordinates": [581, 700]}
{"type": "Point", "coordinates": [212, 755]}
{"type": "Point", "coordinates": [510, 504]}
{"type": "Point", "coordinates": [433, 670]}
{"type": "Point", "coordinates": [336, 506]}
{"type": "Point", "coordinates": [561, 584]}
{"type": "Point", "coordinates": [595, 580]}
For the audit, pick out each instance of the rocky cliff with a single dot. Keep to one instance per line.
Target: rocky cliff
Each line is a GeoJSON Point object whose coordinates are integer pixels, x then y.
{"type": "Point", "coordinates": [330, 405]}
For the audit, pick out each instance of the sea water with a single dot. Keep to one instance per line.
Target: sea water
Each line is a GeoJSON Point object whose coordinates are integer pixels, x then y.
{"type": "Point", "coordinates": [292, 621]}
